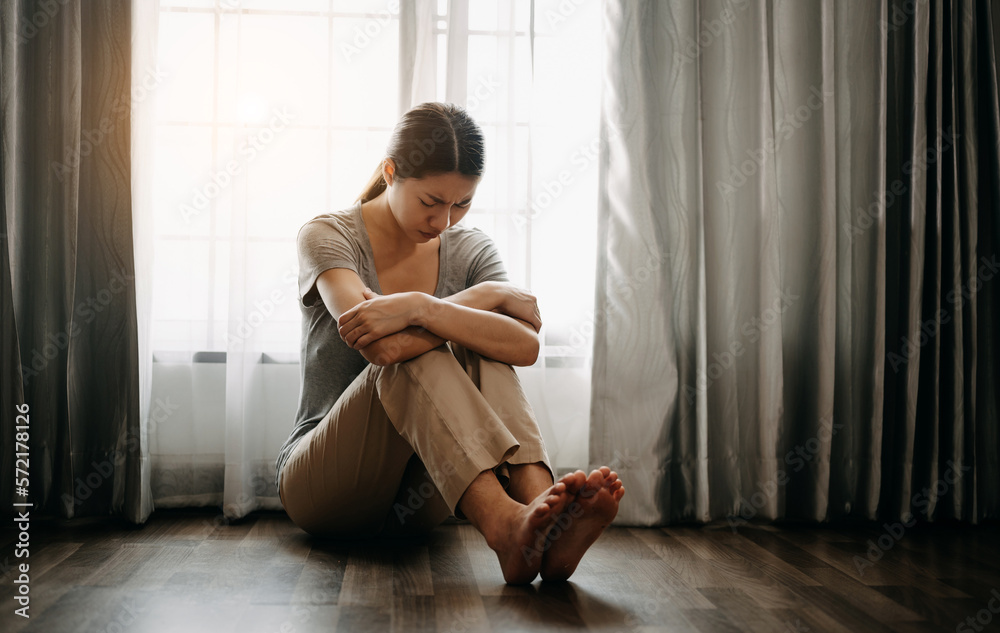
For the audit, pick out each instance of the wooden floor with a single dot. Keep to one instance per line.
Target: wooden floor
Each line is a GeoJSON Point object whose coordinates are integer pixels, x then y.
{"type": "Point", "coordinates": [190, 572]}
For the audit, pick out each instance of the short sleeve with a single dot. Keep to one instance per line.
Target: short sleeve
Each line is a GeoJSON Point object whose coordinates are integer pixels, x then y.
{"type": "Point", "coordinates": [487, 265]}
{"type": "Point", "coordinates": [323, 245]}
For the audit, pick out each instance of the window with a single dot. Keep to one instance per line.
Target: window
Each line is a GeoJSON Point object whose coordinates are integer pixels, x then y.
{"type": "Point", "coordinates": [275, 111]}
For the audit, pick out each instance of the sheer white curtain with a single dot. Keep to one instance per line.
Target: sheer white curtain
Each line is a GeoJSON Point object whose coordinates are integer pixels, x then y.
{"type": "Point", "coordinates": [270, 112]}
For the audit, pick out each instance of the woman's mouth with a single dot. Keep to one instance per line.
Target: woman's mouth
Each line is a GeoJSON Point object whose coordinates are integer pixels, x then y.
{"type": "Point", "coordinates": [429, 236]}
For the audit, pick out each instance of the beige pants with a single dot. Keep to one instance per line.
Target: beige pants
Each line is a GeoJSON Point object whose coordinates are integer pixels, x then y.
{"type": "Point", "coordinates": [402, 443]}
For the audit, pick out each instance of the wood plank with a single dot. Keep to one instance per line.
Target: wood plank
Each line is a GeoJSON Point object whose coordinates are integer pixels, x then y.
{"type": "Point", "coordinates": [744, 610]}
{"type": "Point", "coordinates": [841, 610]}
{"type": "Point", "coordinates": [711, 621]}
{"type": "Point", "coordinates": [688, 568]}
{"type": "Point", "coordinates": [322, 576]}
{"type": "Point", "coordinates": [412, 571]}
{"type": "Point", "coordinates": [659, 580]}
{"type": "Point", "coordinates": [863, 597]}
{"type": "Point", "coordinates": [413, 614]}
{"type": "Point", "coordinates": [770, 564]}
{"type": "Point", "coordinates": [184, 571]}
{"type": "Point", "coordinates": [367, 580]}
{"type": "Point", "coordinates": [944, 613]}
{"type": "Point", "coordinates": [457, 603]}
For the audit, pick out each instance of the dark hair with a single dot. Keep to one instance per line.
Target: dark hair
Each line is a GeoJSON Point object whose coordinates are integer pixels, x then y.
{"type": "Point", "coordinates": [431, 138]}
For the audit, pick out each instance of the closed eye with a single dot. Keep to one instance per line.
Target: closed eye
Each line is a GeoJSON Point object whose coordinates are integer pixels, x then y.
{"type": "Point", "coordinates": [460, 205]}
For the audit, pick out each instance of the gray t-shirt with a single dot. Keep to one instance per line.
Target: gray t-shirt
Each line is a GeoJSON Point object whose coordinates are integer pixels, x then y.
{"type": "Point", "coordinates": [339, 240]}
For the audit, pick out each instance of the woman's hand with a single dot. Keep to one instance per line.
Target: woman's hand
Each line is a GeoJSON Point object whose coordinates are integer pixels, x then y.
{"type": "Point", "coordinates": [378, 316]}
{"type": "Point", "coordinates": [519, 303]}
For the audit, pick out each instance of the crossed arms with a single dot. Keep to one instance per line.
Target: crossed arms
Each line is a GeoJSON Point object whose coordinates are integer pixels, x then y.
{"type": "Point", "coordinates": [495, 319]}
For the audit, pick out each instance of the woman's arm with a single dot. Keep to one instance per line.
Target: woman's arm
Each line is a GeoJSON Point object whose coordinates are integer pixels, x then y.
{"type": "Point", "coordinates": [414, 340]}
{"type": "Point", "coordinates": [388, 321]}
{"type": "Point", "coordinates": [494, 335]}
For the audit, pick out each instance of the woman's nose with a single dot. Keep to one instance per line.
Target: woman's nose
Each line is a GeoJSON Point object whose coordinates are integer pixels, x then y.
{"type": "Point", "coordinates": [441, 221]}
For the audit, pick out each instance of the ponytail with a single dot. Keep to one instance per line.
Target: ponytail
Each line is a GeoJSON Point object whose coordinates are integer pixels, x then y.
{"type": "Point", "coordinates": [376, 185]}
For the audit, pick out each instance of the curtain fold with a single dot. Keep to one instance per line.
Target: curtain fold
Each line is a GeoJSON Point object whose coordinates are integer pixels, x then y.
{"type": "Point", "coordinates": [798, 206]}
{"type": "Point", "coordinates": [69, 294]}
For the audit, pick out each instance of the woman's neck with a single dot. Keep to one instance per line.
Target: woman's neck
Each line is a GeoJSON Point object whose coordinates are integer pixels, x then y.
{"type": "Point", "coordinates": [382, 226]}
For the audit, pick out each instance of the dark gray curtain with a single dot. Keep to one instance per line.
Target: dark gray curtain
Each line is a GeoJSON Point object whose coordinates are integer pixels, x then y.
{"type": "Point", "coordinates": [798, 280]}
{"type": "Point", "coordinates": [67, 286]}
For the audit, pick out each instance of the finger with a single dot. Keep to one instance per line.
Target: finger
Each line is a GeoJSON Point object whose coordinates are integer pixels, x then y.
{"type": "Point", "coordinates": [356, 336]}
{"type": "Point", "coordinates": [347, 333]}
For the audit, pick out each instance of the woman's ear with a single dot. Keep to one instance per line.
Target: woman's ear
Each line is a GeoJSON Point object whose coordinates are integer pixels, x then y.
{"type": "Point", "coordinates": [388, 169]}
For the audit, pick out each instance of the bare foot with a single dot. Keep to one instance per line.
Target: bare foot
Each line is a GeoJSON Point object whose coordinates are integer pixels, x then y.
{"type": "Point", "coordinates": [520, 538]}
{"type": "Point", "coordinates": [581, 523]}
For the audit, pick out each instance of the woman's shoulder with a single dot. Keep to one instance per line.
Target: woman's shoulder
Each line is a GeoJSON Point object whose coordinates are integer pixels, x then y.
{"type": "Point", "coordinates": [341, 222]}
{"type": "Point", "coordinates": [460, 233]}
{"type": "Point", "coordinates": [470, 240]}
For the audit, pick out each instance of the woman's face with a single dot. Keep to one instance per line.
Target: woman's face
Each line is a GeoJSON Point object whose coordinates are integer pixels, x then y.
{"type": "Point", "coordinates": [426, 207]}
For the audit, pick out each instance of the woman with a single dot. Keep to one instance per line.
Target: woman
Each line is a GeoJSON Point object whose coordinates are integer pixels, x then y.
{"type": "Point", "coordinates": [410, 410]}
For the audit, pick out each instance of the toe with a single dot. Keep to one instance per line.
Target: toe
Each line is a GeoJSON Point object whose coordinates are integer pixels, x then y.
{"type": "Point", "coordinates": [541, 510]}
{"type": "Point", "coordinates": [572, 482]}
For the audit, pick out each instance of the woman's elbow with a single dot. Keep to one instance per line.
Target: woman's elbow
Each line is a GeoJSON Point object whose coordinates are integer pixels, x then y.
{"type": "Point", "coordinates": [529, 351]}
{"type": "Point", "coordinates": [377, 353]}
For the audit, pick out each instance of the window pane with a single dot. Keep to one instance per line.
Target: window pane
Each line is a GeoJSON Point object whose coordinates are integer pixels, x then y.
{"type": "Point", "coordinates": [185, 53]}
{"type": "Point", "coordinates": [365, 86]}
{"type": "Point", "coordinates": [281, 5]}
{"type": "Point", "coordinates": [282, 65]}
{"type": "Point", "coordinates": [483, 15]}
{"type": "Point", "coordinates": [286, 183]}
{"type": "Point", "coordinates": [181, 289]}
{"type": "Point", "coordinates": [183, 159]}
{"type": "Point", "coordinates": [356, 154]}
{"type": "Point", "coordinates": [366, 6]}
